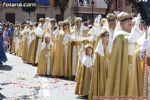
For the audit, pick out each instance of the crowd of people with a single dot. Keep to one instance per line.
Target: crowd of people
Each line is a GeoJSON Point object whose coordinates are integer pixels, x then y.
{"type": "Point", "coordinates": [105, 59]}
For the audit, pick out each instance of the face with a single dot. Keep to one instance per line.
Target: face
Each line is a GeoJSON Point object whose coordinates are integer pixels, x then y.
{"type": "Point", "coordinates": [65, 27]}
{"type": "Point", "coordinates": [53, 22]}
{"type": "Point", "coordinates": [89, 51]}
{"type": "Point", "coordinates": [78, 24]}
{"type": "Point", "coordinates": [112, 22]}
{"type": "Point", "coordinates": [105, 38]}
{"type": "Point", "coordinates": [127, 25]}
{"type": "Point", "coordinates": [47, 40]}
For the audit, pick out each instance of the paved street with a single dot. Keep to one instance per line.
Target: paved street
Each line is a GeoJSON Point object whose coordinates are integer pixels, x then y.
{"type": "Point", "coordinates": [18, 81]}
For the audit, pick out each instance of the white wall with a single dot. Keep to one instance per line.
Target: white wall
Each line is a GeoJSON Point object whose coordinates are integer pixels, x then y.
{"type": "Point", "coordinates": [100, 4]}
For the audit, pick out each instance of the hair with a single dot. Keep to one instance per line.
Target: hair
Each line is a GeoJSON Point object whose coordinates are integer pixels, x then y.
{"type": "Point", "coordinates": [65, 22]}
{"type": "Point", "coordinates": [103, 32]}
{"type": "Point", "coordinates": [110, 15]}
{"type": "Point", "coordinates": [87, 48]}
{"type": "Point", "coordinates": [103, 20]}
{"type": "Point", "coordinates": [103, 35]}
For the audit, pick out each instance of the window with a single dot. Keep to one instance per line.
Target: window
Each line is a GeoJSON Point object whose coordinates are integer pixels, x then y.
{"type": "Point", "coordinates": [10, 17]}
{"type": "Point", "coordinates": [127, 3]}
{"type": "Point", "coordinates": [40, 16]}
{"type": "Point", "coordinates": [84, 3]}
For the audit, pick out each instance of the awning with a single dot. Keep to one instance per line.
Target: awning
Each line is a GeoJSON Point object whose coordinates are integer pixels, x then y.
{"type": "Point", "coordinates": [39, 2]}
{"type": "Point", "coordinates": [11, 1]}
{"type": "Point", "coordinates": [42, 2]}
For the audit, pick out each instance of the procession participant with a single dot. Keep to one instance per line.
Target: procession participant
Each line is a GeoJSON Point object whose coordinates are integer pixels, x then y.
{"type": "Point", "coordinates": [21, 40]}
{"type": "Point", "coordinates": [25, 41]}
{"type": "Point", "coordinates": [31, 44]}
{"type": "Point", "coordinates": [137, 86]}
{"type": "Point", "coordinates": [10, 35]}
{"type": "Point", "coordinates": [62, 52]}
{"type": "Point", "coordinates": [102, 22]}
{"type": "Point", "coordinates": [16, 37]}
{"type": "Point", "coordinates": [112, 24]}
{"type": "Point", "coordinates": [59, 28]}
{"type": "Point", "coordinates": [47, 26]}
{"type": "Point", "coordinates": [83, 83]}
{"type": "Point", "coordinates": [101, 65]}
{"type": "Point", "coordinates": [67, 49]}
{"type": "Point", "coordinates": [118, 75]}
{"type": "Point", "coordinates": [5, 37]}
{"type": "Point", "coordinates": [78, 32]}
{"type": "Point", "coordinates": [39, 36]}
{"type": "Point", "coordinates": [80, 57]}
{"type": "Point", "coordinates": [3, 57]}
{"type": "Point", "coordinates": [44, 63]}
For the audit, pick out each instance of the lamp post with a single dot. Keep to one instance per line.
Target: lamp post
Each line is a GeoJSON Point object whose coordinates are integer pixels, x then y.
{"type": "Point", "coordinates": [92, 3]}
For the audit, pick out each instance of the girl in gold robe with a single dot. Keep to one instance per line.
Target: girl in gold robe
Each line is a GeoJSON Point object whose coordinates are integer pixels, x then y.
{"type": "Point", "coordinates": [101, 66]}
{"type": "Point", "coordinates": [83, 82]}
{"type": "Point", "coordinates": [25, 43]}
{"type": "Point", "coordinates": [31, 44]}
{"type": "Point", "coordinates": [61, 66]}
{"type": "Point", "coordinates": [20, 42]}
{"type": "Point", "coordinates": [80, 55]}
{"type": "Point", "coordinates": [44, 63]}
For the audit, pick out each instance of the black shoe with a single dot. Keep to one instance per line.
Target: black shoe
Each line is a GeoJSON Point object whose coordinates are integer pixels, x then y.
{"type": "Point", "coordinates": [73, 78]}
{"type": "Point", "coordinates": [82, 97]}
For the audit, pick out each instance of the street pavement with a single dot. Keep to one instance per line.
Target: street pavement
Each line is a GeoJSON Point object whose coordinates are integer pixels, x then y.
{"type": "Point", "coordinates": [18, 81]}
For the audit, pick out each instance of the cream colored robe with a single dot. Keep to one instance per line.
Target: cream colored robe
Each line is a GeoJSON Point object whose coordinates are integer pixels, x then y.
{"type": "Point", "coordinates": [39, 34]}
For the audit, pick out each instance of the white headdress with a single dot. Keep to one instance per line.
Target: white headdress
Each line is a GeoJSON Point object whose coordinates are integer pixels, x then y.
{"type": "Point", "coordinates": [44, 45]}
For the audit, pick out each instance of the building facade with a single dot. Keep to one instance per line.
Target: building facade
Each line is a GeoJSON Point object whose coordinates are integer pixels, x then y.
{"type": "Point", "coordinates": [82, 8]}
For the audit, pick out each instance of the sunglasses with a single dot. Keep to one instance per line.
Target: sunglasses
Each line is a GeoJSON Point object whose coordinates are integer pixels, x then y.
{"type": "Point", "coordinates": [126, 19]}
{"type": "Point", "coordinates": [111, 20]}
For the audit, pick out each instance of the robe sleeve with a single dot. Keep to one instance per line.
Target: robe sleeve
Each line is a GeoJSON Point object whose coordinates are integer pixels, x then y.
{"type": "Point", "coordinates": [136, 33]}
{"type": "Point", "coordinates": [39, 32]}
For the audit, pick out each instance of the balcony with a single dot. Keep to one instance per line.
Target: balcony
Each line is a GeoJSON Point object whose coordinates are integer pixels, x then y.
{"type": "Point", "coordinates": [89, 10]}
{"type": "Point", "coordinates": [85, 6]}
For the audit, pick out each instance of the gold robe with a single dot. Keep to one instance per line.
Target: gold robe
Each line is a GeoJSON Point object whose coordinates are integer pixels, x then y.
{"type": "Point", "coordinates": [42, 63]}
{"type": "Point", "coordinates": [116, 84]}
{"type": "Point", "coordinates": [137, 83]}
{"type": "Point", "coordinates": [76, 45]}
{"type": "Point", "coordinates": [32, 50]}
{"type": "Point", "coordinates": [99, 76]}
{"type": "Point", "coordinates": [13, 44]}
{"type": "Point", "coordinates": [68, 68]}
{"type": "Point", "coordinates": [25, 47]}
{"type": "Point", "coordinates": [58, 68]}
{"type": "Point", "coordinates": [83, 82]}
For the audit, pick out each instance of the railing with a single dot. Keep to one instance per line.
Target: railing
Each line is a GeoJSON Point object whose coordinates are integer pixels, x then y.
{"type": "Point", "coordinates": [83, 3]}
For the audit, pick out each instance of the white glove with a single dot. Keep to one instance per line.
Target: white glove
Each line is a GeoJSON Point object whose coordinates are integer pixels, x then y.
{"type": "Point", "coordinates": [139, 15]}
{"type": "Point", "coordinates": [145, 45]}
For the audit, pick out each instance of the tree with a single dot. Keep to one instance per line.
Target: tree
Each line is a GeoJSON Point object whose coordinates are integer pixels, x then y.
{"type": "Point", "coordinates": [30, 8]}
{"type": "Point", "coordinates": [109, 6]}
{"type": "Point", "coordinates": [62, 4]}
{"type": "Point", "coordinates": [135, 4]}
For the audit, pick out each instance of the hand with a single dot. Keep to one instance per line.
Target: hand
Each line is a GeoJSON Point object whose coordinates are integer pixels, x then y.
{"type": "Point", "coordinates": [139, 15]}
{"type": "Point", "coordinates": [142, 55]}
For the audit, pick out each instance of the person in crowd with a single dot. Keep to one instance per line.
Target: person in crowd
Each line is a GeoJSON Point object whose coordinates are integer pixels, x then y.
{"type": "Point", "coordinates": [83, 82]}
{"type": "Point", "coordinates": [44, 63]}
{"type": "Point", "coordinates": [3, 57]}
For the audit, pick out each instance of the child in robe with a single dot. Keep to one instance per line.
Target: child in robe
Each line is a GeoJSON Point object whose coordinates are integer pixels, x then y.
{"type": "Point", "coordinates": [83, 82]}
{"type": "Point", "coordinates": [44, 62]}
